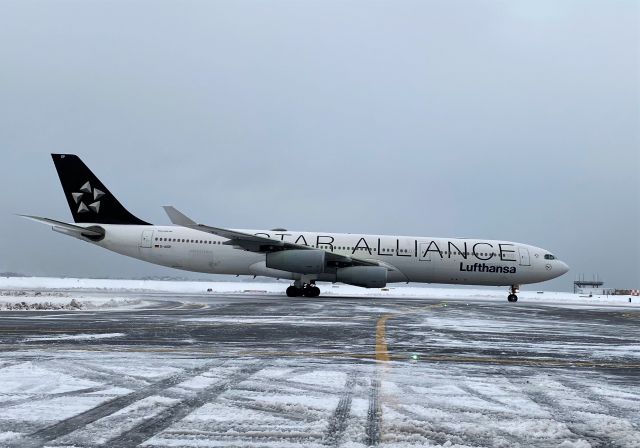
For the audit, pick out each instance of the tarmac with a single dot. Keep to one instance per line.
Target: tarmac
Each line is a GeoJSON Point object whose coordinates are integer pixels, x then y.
{"type": "Point", "coordinates": [325, 371]}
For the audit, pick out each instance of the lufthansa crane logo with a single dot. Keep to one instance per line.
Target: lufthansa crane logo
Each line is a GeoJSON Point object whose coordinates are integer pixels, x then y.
{"type": "Point", "coordinates": [88, 195]}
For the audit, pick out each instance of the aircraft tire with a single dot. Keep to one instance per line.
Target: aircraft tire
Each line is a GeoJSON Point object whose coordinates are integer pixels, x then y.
{"type": "Point", "coordinates": [312, 291]}
{"type": "Point", "coordinates": [512, 298]}
{"type": "Point", "coordinates": [292, 291]}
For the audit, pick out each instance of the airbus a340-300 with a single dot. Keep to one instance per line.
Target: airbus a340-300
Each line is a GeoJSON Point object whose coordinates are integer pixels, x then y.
{"type": "Point", "coordinates": [369, 261]}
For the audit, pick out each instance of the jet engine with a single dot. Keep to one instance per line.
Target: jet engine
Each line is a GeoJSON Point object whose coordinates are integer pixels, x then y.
{"type": "Point", "coordinates": [366, 276]}
{"type": "Point", "coordinates": [297, 260]}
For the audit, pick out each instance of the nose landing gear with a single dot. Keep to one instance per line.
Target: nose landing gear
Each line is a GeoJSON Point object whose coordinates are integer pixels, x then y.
{"type": "Point", "coordinates": [307, 290]}
{"type": "Point", "coordinates": [512, 297]}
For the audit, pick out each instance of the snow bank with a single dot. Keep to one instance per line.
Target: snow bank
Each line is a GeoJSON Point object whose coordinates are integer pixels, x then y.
{"type": "Point", "coordinates": [52, 300]}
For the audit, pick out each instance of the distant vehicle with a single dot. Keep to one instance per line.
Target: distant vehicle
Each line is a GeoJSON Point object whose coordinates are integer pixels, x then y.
{"type": "Point", "coordinates": [369, 261]}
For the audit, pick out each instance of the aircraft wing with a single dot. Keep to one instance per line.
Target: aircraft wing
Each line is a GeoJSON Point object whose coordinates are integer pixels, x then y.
{"type": "Point", "coordinates": [256, 243]}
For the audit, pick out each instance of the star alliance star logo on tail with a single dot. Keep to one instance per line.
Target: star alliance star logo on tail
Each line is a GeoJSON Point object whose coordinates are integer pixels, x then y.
{"type": "Point", "coordinates": [92, 195]}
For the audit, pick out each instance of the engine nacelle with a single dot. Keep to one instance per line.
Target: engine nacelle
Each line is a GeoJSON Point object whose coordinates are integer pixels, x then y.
{"type": "Point", "coordinates": [367, 276]}
{"type": "Point", "coordinates": [297, 260]}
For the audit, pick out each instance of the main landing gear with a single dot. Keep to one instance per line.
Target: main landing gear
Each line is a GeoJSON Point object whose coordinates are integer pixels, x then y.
{"type": "Point", "coordinates": [512, 297]}
{"type": "Point", "coordinates": [307, 290]}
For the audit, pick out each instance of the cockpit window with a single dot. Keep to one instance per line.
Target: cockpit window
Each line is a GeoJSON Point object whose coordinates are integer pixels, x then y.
{"type": "Point", "coordinates": [549, 257]}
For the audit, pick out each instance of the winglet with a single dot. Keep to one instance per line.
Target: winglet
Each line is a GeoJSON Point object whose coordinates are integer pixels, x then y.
{"type": "Point", "coordinates": [178, 218]}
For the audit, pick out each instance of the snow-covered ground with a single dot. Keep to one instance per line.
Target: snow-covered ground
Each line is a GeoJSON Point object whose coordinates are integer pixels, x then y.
{"type": "Point", "coordinates": [242, 365]}
{"type": "Point", "coordinates": [60, 290]}
{"type": "Point", "coordinates": [306, 403]}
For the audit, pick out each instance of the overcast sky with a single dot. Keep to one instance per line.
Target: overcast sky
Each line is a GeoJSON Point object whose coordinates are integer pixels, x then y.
{"type": "Point", "coordinates": [492, 119]}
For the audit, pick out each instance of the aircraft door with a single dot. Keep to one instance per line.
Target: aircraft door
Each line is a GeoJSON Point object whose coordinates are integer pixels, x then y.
{"type": "Point", "coordinates": [524, 256]}
{"type": "Point", "coordinates": [147, 238]}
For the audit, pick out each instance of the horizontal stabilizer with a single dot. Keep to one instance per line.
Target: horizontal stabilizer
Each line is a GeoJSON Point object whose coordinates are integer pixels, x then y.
{"type": "Point", "coordinates": [68, 227]}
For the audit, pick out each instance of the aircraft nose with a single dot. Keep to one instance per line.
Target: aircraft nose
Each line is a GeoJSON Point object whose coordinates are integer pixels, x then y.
{"type": "Point", "coordinates": [564, 267]}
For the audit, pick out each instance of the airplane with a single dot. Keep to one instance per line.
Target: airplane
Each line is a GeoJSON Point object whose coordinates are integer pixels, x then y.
{"type": "Point", "coordinates": [369, 261]}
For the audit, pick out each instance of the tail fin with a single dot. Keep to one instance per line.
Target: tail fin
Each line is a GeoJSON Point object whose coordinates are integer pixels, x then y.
{"type": "Point", "coordinates": [89, 200]}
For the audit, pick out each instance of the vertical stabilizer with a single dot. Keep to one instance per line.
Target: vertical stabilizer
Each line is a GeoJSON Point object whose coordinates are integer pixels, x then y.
{"type": "Point", "coordinates": [88, 198]}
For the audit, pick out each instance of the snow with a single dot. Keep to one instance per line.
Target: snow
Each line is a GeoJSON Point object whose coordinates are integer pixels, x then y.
{"type": "Point", "coordinates": [275, 320]}
{"type": "Point", "coordinates": [327, 378]}
{"type": "Point", "coordinates": [291, 401]}
{"type": "Point", "coordinates": [74, 337]}
{"type": "Point", "coordinates": [104, 429]}
{"type": "Point", "coordinates": [422, 404]}
{"type": "Point", "coordinates": [51, 300]}
{"type": "Point", "coordinates": [201, 381]}
{"type": "Point", "coordinates": [29, 378]}
{"type": "Point", "coordinates": [6, 436]}
{"type": "Point", "coordinates": [48, 410]}
{"type": "Point", "coordinates": [78, 285]}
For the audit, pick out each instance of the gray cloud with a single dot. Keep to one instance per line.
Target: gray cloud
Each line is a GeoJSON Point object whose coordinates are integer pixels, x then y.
{"type": "Point", "coordinates": [506, 120]}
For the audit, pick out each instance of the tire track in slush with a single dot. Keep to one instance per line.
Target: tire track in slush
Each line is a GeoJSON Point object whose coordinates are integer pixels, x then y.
{"type": "Point", "coordinates": [69, 425]}
{"type": "Point", "coordinates": [565, 415]}
{"type": "Point", "coordinates": [338, 421]}
{"type": "Point", "coordinates": [177, 412]}
{"type": "Point", "coordinates": [374, 415]}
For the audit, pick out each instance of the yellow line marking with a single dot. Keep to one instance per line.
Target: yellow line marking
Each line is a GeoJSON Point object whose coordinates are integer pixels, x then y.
{"type": "Point", "coordinates": [382, 352]}
{"type": "Point", "coordinates": [381, 342]}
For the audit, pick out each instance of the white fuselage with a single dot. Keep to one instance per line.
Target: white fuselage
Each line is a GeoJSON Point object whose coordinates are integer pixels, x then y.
{"type": "Point", "coordinates": [409, 259]}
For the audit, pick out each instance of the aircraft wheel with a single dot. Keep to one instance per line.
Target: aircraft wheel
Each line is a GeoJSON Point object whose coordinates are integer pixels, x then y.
{"type": "Point", "coordinates": [311, 291]}
{"type": "Point", "coordinates": [292, 291]}
{"type": "Point", "coordinates": [512, 298]}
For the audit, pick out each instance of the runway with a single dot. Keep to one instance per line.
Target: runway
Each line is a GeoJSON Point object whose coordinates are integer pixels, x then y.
{"type": "Point", "coordinates": [259, 370]}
